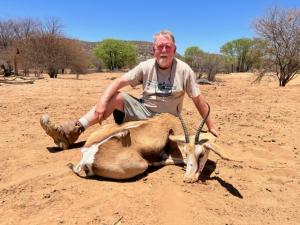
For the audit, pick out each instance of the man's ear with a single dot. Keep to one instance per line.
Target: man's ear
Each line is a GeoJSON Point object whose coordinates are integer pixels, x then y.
{"type": "Point", "coordinates": [175, 49]}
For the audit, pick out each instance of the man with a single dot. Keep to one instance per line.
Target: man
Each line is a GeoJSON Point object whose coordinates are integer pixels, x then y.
{"type": "Point", "coordinates": [165, 80]}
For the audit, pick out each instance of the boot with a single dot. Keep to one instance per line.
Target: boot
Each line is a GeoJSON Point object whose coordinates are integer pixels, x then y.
{"type": "Point", "coordinates": [63, 134]}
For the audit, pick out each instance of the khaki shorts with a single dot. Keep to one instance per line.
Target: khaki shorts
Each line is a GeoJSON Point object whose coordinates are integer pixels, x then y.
{"type": "Point", "coordinates": [134, 110]}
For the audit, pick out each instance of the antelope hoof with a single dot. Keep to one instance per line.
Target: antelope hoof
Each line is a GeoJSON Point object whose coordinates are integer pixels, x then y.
{"type": "Point", "coordinates": [192, 179]}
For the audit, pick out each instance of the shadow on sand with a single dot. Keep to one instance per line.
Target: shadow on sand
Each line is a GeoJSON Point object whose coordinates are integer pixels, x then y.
{"type": "Point", "coordinates": [209, 168]}
{"type": "Point", "coordinates": [72, 147]}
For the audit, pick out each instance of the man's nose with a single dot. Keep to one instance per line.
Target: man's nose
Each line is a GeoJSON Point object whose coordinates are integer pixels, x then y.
{"type": "Point", "coordinates": [164, 49]}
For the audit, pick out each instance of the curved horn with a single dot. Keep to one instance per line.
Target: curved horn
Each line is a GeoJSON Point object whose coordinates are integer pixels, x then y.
{"type": "Point", "coordinates": [197, 135]}
{"type": "Point", "coordinates": [186, 134]}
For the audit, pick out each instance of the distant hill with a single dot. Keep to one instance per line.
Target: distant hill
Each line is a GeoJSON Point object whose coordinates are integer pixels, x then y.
{"type": "Point", "coordinates": [144, 49]}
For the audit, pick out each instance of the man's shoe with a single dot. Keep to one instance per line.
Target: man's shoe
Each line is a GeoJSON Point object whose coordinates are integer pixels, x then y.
{"type": "Point", "coordinates": [63, 134]}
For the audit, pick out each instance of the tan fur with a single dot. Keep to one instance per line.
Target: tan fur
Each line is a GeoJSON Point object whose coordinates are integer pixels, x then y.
{"type": "Point", "coordinates": [127, 150]}
{"type": "Point", "coordinates": [108, 129]}
{"type": "Point", "coordinates": [130, 155]}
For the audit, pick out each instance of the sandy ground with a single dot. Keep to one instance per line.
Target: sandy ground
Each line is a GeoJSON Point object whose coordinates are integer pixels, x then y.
{"type": "Point", "coordinates": [259, 124]}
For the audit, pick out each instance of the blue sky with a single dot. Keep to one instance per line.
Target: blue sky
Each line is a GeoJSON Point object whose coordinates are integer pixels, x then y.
{"type": "Point", "coordinates": [206, 24]}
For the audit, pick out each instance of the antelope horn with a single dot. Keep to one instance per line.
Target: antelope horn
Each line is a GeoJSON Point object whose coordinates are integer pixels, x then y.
{"type": "Point", "coordinates": [197, 135]}
{"type": "Point", "coordinates": [186, 134]}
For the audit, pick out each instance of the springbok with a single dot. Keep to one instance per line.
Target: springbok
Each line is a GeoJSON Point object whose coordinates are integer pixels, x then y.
{"type": "Point", "coordinates": [127, 150]}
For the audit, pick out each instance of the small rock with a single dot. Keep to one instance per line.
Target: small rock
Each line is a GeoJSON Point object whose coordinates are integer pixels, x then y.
{"type": "Point", "coordinates": [268, 189]}
{"type": "Point", "coordinates": [60, 220]}
{"type": "Point", "coordinates": [47, 196]}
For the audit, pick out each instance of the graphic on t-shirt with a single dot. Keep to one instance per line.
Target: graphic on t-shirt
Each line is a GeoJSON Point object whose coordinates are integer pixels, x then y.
{"type": "Point", "coordinates": [161, 89]}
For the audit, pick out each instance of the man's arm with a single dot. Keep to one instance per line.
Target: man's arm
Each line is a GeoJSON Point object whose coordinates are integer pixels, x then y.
{"type": "Point", "coordinates": [109, 92]}
{"type": "Point", "coordinates": [202, 108]}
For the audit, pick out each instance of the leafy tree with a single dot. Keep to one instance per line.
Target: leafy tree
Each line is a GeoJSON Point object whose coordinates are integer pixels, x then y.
{"type": "Point", "coordinates": [194, 57]}
{"type": "Point", "coordinates": [212, 64]}
{"type": "Point", "coordinates": [237, 52]}
{"type": "Point", "coordinates": [116, 54]}
{"type": "Point", "coordinates": [203, 63]}
{"type": "Point", "coordinates": [255, 55]}
{"type": "Point", "coordinates": [280, 31]}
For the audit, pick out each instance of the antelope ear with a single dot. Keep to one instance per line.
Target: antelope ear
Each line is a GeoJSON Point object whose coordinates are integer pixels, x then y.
{"type": "Point", "coordinates": [177, 138]}
{"type": "Point", "coordinates": [208, 136]}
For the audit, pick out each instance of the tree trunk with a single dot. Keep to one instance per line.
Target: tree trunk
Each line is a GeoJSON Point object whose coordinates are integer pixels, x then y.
{"type": "Point", "coordinates": [26, 72]}
{"type": "Point", "coordinates": [16, 65]}
{"type": "Point", "coordinates": [283, 82]}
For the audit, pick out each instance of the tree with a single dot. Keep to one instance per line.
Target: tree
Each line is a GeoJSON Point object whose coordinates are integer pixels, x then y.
{"type": "Point", "coordinates": [194, 57]}
{"type": "Point", "coordinates": [237, 53]}
{"type": "Point", "coordinates": [116, 54]}
{"type": "Point", "coordinates": [255, 55]}
{"type": "Point", "coordinates": [212, 64]}
{"type": "Point", "coordinates": [75, 57]}
{"type": "Point", "coordinates": [51, 53]}
{"type": "Point", "coordinates": [7, 37]}
{"type": "Point", "coordinates": [203, 63]}
{"type": "Point", "coordinates": [32, 44]}
{"type": "Point", "coordinates": [12, 33]}
{"type": "Point", "coordinates": [280, 31]}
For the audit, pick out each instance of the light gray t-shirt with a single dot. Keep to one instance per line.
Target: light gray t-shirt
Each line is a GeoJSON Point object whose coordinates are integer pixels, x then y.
{"type": "Point", "coordinates": [163, 90]}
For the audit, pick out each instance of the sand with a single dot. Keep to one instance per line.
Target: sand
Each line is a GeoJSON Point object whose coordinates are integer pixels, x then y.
{"type": "Point", "coordinates": [259, 124]}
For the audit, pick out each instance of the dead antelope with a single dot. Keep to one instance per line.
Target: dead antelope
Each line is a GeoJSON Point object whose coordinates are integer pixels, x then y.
{"type": "Point", "coordinates": [127, 150]}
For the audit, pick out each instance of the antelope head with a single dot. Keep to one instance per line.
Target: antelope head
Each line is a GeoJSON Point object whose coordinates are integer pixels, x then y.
{"type": "Point", "coordinates": [195, 153]}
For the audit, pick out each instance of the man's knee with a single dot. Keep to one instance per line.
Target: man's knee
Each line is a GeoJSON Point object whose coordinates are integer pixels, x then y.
{"type": "Point", "coordinates": [117, 99]}
{"type": "Point", "coordinates": [116, 103]}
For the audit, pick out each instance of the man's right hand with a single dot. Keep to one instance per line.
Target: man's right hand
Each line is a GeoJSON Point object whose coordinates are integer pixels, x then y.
{"type": "Point", "coordinates": [100, 110]}
{"type": "Point", "coordinates": [110, 91]}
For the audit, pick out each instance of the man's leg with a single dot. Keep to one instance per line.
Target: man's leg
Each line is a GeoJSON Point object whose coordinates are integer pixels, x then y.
{"type": "Point", "coordinates": [90, 118]}
{"type": "Point", "coordinates": [68, 132]}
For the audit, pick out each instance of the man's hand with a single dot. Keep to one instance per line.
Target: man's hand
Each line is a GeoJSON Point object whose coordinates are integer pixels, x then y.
{"type": "Point", "coordinates": [109, 92]}
{"type": "Point", "coordinates": [201, 105]}
{"type": "Point", "coordinates": [100, 110]}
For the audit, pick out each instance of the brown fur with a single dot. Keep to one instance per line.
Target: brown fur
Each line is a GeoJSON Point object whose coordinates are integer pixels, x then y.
{"type": "Point", "coordinates": [128, 149]}
{"type": "Point", "coordinates": [129, 155]}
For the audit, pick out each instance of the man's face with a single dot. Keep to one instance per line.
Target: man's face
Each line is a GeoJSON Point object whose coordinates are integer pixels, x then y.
{"type": "Point", "coordinates": [164, 51]}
